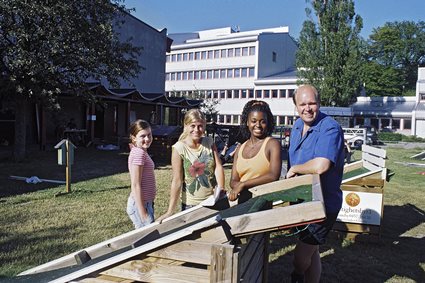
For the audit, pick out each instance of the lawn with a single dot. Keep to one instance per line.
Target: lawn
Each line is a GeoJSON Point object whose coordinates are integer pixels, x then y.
{"type": "Point", "coordinates": [39, 224]}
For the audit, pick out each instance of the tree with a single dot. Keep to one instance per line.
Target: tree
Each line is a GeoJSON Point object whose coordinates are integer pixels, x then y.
{"type": "Point", "coordinates": [397, 48]}
{"type": "Point", "coordinates": [329, 51]}
{"type": "Point", "coordinates": [49, 48]}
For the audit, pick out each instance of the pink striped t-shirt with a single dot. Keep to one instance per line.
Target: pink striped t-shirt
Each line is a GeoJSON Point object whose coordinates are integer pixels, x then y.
{"type": "Point", "coordinates": [140, 157]}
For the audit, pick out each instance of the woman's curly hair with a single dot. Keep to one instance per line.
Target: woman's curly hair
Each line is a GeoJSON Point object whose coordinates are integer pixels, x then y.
{"type": "Point", "coordinates": [259, 106]}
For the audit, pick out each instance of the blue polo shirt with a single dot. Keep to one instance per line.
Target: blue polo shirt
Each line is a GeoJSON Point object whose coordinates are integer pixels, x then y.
{"type": "Point", "coordinates": [325, 139]}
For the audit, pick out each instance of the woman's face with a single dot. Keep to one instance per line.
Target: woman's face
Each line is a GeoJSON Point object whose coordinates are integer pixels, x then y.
{"type": "Point", "coordinates": [257, 124]}
{"type": "Point", "coordinates": [196, 130]}
{"type": "Point", "coordinates": [143, 139]}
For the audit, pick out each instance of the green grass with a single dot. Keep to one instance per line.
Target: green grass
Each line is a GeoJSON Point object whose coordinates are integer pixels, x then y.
{"type": "Point", "coordinates": [38, 226]}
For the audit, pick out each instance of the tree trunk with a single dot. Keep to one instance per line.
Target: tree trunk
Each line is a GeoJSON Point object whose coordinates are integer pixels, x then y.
{"type": "Point", "coordinates": [20, 128]}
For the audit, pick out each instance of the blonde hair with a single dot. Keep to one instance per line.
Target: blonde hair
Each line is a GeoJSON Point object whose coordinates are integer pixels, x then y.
{"type": "Point", "coordinates": [190, 117]}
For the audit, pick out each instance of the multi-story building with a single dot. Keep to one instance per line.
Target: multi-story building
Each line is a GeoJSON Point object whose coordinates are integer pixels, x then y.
{"type": "Point", "coordinates": [234, 67]}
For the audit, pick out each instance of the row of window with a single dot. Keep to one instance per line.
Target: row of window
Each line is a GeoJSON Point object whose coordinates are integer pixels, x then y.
{"type": "Point", "coordinates": [210, 74]}
{"type": "Point", "coordinates": [235, 120]}
{"type": "Point", "coordinates": [235, 93]}
{"type": "Point", "coordinates": [212, 54]}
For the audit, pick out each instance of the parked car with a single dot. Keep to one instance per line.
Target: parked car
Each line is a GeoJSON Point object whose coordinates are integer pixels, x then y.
{"type": "Point", "coordinates": [371, 134]}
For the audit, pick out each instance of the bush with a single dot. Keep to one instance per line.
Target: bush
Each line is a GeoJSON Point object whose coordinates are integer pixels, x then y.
{"type": "Point", "coordinates": [393, 137]}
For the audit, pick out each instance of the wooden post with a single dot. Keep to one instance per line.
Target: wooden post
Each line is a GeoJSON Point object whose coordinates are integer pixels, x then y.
{"type": "Point", "coordinates": [68, 167]}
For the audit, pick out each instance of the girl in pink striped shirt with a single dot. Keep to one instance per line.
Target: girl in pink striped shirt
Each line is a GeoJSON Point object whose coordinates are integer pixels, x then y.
{"type": "Point", "coordinates": [140, 204]}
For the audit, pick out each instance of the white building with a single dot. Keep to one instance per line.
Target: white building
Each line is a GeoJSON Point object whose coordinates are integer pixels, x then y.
{"type": "Point", "coordinates": [235, 67]}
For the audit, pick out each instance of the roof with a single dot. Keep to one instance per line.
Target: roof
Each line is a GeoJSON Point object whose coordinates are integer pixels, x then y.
{"type": "Point", "coordinates": [137, 96]}
{"type": "Point", "coordinates": [384, 106]}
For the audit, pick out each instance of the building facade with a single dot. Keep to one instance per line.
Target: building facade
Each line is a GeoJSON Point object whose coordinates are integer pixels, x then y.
{"type": "Point", "coordinates": [234, 67]}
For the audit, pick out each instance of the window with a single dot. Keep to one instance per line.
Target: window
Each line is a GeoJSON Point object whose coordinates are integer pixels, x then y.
{"type": "Point", "coordinates": [210, 54]}
{"type": "Point", "coordinates": [235, 119]}
{"type": "Point", "coordinates": [237, 52]}
{"type": "Point", "coordinates": [185, 76]}
{"type": "Point", "coordinates": [244, 72]}
{"type": "Point", "coordinates": [274, 56]}
{"type": "Point", "coordinates": [237, 73]}
{"type": "Point", "coordinates": [422, 96]}
{"type": "Point", "coordinates": [167, 76]}
{"type": "Point", "coordinates": [173, 76]}
{"type": "Point", "coordinates": [204, 55]}
{"type": "Point", "coordinates": [228, 119]}
{"type": "Point", "coordinates": [252, 50]}
{"type": "Point", "coordinates": [290, 93]}
{"type": "Point", "coordinates": [203, 75]}
{"type": "Point", "coordinates": [251, 93]}
{"type": "Point", "coordinates": [173, 58]}
{"type": "Point", "coordinates": [185, 55]}
{"type": "Point", "coordinates": [236, 93]}
{"type": "Point", "coordinates": [266, 93]}
{"type": "Point", "coordinates": [179, 57]}
{"type": "Point", "coordinates": [197, 55]}
{"type": "Point", "coordinates": [215, 93]}
{"type": "Point", "coordinates": [222, 94]}
{"type": "Point", "coordinates": [407, 124]}
{"type": "Point", "coordinates": [191, 56]}
{"type": "Point", "coordinates": [221, 118]}
{"type": "Point", "coordinates": [274, 93]}
{"type": "Point", "coordinates": [229, 94]}
{"type": "Point", "coordinates": [258, 93]}
{"type": "Point", "coordinates": [245, 51]}
{"type": "Point", "coordinates": [216, 54]}
{"type": "Point", "coordinates": [251, 72]}
{"type": "Point", "coordinates": [223, 73]}
{"type": "Point", "coordinates": [216, 74]}
{"type": "Point", "coordinates": [223, 53]}
{"type": "Point", "coordinates": [190, 75]}
{"type": "Point", "coordinates": [209, 74]}
{"type": "Point", "coordinates": [167, 58]}
{"type": "Point", "coordinates": [230, 52]}
{"type": "Point", "coordinates": [209, 94]}
{"type": "Point", "coordinates": [179, 76]}
{"type": "Point", "coordinates": [281, 120]}
{"type": "Point", "coordinates": [282, 93]}
{"type": "Point", "coordinates": [243, 95]}
{"type": "Point", "coordinates": [230, 73]}
{"type": "Point", "coordinates": [197, 73]}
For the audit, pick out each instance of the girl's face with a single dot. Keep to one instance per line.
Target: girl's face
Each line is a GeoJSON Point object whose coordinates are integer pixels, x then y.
{"type": "Point", "coordinates": [257, 124]}
{"type": "Point", "coordinates": [143, 139]}
{"type": "Point", "coordinates": [196, 130]}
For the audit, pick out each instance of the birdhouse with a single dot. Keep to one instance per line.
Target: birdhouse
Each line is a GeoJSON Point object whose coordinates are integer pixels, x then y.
{"type": "Point", "coordinates": [63, 147]}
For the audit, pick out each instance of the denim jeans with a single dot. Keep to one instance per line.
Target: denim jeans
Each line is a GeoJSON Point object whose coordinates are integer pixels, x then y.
{"type": "Point", "coordinates": [133, 213]}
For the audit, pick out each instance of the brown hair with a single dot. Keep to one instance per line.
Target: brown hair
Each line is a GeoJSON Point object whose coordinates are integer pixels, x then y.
{"type": "Point", "coordinates": [136, 127]}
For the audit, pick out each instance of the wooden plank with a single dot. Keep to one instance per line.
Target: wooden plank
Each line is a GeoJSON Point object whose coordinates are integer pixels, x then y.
{"type": "Point", "coordinates": [221, 263]}
{"type": "Point", "coordinates": [281, 185]}
{"type": "Point", "coordinates": [255, 244]}
{"type": "Point", "coordinates": [353, 166]}
{"type": "Point", "coordinates": [152, 272]}
{"type": "Point", "coordinates": [105, 279]}
{"type": "Point", "coordinates": [374, 151]}
{"type": "Point", "coordinates": [364, 175]}
{"type": "Point", "coordinates": [378, 161]}
{"type": "Point", "coordinates": [188, 251]}
{"type": "Point", "coordinates": [118, 259]}
{"type": "Point", "coordinates": [367, 182]}
{"type": "Point", "coordinates": [273, 219]}
{"type": "Point", "coordinates": [356, 228]}
{"type": "Point", "coordinates": [174, 222]}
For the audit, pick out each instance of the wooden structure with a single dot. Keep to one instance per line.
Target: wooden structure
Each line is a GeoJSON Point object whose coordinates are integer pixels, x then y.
{"type": "Point", "coordinates": [202, 244]}
{"type": "Point", "coordinates": [363, 190]}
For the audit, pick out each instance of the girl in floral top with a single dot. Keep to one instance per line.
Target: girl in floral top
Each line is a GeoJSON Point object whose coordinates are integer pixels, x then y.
{"type": "Point", "coordinates": [196, 165]}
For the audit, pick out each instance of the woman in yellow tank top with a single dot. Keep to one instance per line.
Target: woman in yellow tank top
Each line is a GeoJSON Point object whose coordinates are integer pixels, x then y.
{"type": "Point", "coordinates": [258, 160]}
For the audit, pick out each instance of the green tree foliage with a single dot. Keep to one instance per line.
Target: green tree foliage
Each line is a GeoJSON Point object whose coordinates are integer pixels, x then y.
{"type": "Point", "coordinates": [329, 51]}
{"type": "Point", "coordinates": [393, 55]}
{"type": "Point", "coordinates": [51, 47]}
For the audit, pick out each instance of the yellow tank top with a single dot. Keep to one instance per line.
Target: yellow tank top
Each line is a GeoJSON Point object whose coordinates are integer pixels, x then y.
{"type": "Point", "coordinates": [253, 167]}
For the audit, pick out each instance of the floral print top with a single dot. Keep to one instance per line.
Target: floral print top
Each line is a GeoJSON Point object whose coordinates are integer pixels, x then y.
{"type": "Point", "coordinates": [198, 168]}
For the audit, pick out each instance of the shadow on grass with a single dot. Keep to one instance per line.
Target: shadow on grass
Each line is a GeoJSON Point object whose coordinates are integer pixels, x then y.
{"type": "Point", "coordinates": [89, 163]}
{"type": "Point", "coordinates": [397, 253]}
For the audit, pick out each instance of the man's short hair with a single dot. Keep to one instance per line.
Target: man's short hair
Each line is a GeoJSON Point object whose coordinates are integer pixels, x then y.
{"type": "Point", "coordinates": [316, 93]}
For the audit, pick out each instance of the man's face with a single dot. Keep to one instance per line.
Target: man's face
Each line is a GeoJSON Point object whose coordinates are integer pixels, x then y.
{"type": "Point", "coordinates": [307, 105]}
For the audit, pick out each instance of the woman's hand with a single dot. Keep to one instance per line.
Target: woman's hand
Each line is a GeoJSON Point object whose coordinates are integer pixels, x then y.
{"type": "Point", "coordinates": [164, 216]}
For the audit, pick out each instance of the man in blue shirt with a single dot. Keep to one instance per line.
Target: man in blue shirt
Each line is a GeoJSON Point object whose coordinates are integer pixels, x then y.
{"type": "Point", "coordinates": [316, 147]}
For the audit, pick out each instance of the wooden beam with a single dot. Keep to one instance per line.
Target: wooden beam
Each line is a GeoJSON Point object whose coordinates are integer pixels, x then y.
{"type": "Point", "coordinates": [353, 166]}
{"type": "Point", "coordinates": [275, 219]}
{"type": "Point", "coordinates": [122, 257]}
{"type": "Point", "coordinates": [177, 220]}
{"type": "Point", "coordinates": [375, 151]}
{"type": "Point", "coordinates": [155, 272]}
{"type": "Point", "coordinates": [281, 185]}
{"type": "Point", "coordinates": [221, 263]}
{"type": "Point", "coordinates": [364, 175]}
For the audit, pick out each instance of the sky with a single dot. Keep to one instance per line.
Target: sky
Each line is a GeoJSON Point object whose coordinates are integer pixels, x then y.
{"type": "Point", "coordinates": [195, 15]}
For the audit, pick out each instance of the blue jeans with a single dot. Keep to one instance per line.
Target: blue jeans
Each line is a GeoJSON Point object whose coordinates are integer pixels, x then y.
{"type": "Point", "coordinates": [133, 213]}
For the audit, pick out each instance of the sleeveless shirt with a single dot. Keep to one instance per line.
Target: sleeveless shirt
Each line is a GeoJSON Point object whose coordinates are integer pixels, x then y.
{"type": "Point", "coordinates": [250, 168]}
